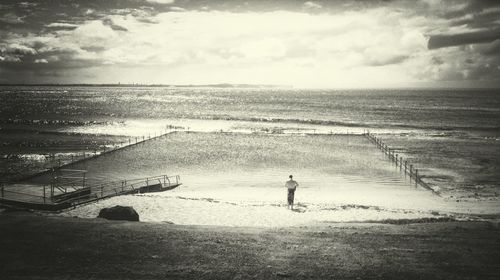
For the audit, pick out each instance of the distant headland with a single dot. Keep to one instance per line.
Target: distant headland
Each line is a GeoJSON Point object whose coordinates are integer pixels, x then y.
{"type": "Point", "coordinates": [221, 85]}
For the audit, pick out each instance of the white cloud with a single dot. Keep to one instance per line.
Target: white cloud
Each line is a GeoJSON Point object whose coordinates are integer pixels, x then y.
{"type": "Point", "coordinates": [165, 2]}
{"type": "Point", "coordinates": [312, 5]}
{"type": "Point", "coordinates": [177, 9]}
{"type": "Point", "coordinates": [61, 24]}
{"type": "Point", "coordinates": [20, 49]}
{"type": "Point", "coordinates": [43, 61]}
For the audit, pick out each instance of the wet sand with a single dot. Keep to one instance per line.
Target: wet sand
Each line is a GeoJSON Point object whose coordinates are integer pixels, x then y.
{"type": "Point", "coordinates": [34, 246]}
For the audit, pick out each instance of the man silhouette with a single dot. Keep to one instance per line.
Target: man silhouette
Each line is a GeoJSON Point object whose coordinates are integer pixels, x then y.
{"type": "Point", "coordinates": [291, 185]}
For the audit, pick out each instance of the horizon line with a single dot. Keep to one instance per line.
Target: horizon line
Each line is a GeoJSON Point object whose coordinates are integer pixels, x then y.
{"type": "Point", "coordinates": [238, 85]}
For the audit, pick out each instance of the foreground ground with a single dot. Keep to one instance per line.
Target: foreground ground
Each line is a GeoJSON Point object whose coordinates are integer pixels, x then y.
{"type": "Point", "coordinates": [39, 247]}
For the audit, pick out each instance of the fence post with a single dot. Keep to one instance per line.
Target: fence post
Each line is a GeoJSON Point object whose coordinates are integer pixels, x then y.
{"type": "Point", "coordinates": [411, 170]}
{"type": "Point", "coordinates": [400, 164]}
{"type": "Point", "coordinates": [44, 195]}
{"type": "Point", "coordinates": [416, 177]}
{"type": "Point", "coordinates": [396, 160]}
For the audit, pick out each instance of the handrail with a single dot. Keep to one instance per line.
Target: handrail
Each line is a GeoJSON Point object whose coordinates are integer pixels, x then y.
{"type": "Point", "coordinates": [99, 191]}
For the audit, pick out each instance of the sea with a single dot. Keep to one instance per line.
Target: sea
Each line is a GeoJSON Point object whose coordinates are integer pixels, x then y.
{"type": "Point", "coordinates": [234, 148]}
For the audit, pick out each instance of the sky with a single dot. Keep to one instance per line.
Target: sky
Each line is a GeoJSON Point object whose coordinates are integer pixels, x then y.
{"type": "Point", "coordinates": [318, 44]}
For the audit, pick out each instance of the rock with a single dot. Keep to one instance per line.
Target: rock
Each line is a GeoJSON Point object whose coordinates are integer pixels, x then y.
{"type": "Point", "coordinates": [283, 274]}
{"type": "Point", "coordinates": [125, 213]}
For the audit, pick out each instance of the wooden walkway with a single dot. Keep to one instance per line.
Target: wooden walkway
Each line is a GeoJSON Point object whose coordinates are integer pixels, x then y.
{"type": "Point", "coordinates": [62, 196]}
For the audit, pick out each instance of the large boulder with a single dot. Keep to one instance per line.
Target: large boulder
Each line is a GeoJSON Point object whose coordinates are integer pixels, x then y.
{"type": "Point", "coordinates": [124, 213]}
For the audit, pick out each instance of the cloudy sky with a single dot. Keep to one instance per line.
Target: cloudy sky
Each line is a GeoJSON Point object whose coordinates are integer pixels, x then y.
{"type": "Point", "coordinates": [421, 43]}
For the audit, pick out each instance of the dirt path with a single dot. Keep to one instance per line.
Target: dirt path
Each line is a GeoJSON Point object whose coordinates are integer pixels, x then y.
{"type": "Point", "coordinates": [40, 247]}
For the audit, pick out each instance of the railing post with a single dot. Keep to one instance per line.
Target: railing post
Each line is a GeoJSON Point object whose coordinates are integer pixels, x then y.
{"type": "Point", "coordinates": [416, 177]}
{"type": "Point", "coordinates": [411, 170]}
{"type": "Point", "coordinates": [406, 163]}
{"type": "Point", "coordinates": [396, 160]}
{"type": "Point", "coordinates": [400, 164]}
{"type": "Point", "coordinates": [44, 195]}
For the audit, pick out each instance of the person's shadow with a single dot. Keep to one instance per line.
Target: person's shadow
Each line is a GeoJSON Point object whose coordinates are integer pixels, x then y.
{"type": "Point", "coordinates": [299, 208]}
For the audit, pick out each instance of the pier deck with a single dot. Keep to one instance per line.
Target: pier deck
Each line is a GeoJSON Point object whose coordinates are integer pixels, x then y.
{"type": "Point", "coordinates": [55, 198]}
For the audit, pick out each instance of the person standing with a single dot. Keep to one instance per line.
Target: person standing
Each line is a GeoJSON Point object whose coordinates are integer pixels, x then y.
{"type": "Point", "coordinates": [291, 185]}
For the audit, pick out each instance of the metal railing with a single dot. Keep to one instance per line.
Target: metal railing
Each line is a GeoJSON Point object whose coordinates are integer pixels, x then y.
{"type": "Point", "coordinates": [88, 193]}
{"type": "Point", "coordinates": [400, 163]}
{"type": "Point", "coordinates": [53, 161]}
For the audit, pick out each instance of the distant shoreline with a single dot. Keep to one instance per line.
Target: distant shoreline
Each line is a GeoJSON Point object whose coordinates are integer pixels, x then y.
{"type": "Point", "coordinates": [223, 85]}
{"type": "Point", "coordinates": [243, 86]}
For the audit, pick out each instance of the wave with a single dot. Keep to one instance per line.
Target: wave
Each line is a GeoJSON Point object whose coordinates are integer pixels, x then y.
{"type": "Point", "coordinates": [384, 125]}
{"type": "Point", "coordinates": [441, 130]}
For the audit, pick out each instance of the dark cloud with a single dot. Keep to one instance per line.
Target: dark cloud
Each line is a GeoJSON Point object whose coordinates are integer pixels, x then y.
{"type": "Point", "coordinates": [441, 41]}
{"type": "Point", "coordinates": [490, 49]}
{"type": "Point", "coordinates": [480, 17]}
{"type": "Point", "coordinates": [383, 61]}
{"type": "Point", "coordinates": [11, 18]}
{"type": "Point", "coordinates": [113, 26]}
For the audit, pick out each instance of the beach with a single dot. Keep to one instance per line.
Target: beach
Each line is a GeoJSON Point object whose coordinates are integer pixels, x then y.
{"type": "Point", "coordinates": [35, 246]}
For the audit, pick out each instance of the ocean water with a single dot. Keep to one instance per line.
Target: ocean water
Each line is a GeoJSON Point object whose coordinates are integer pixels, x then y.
{"type": "Point", "coordinates": [451, 135]}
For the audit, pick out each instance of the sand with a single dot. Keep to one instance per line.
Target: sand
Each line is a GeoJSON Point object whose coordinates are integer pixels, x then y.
{"type": "Point", "coordinates": [34, 246]}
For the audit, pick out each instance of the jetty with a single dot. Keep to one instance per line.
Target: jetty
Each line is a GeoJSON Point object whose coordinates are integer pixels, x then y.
{"type": "Point", "coordinates": [69, 189]}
